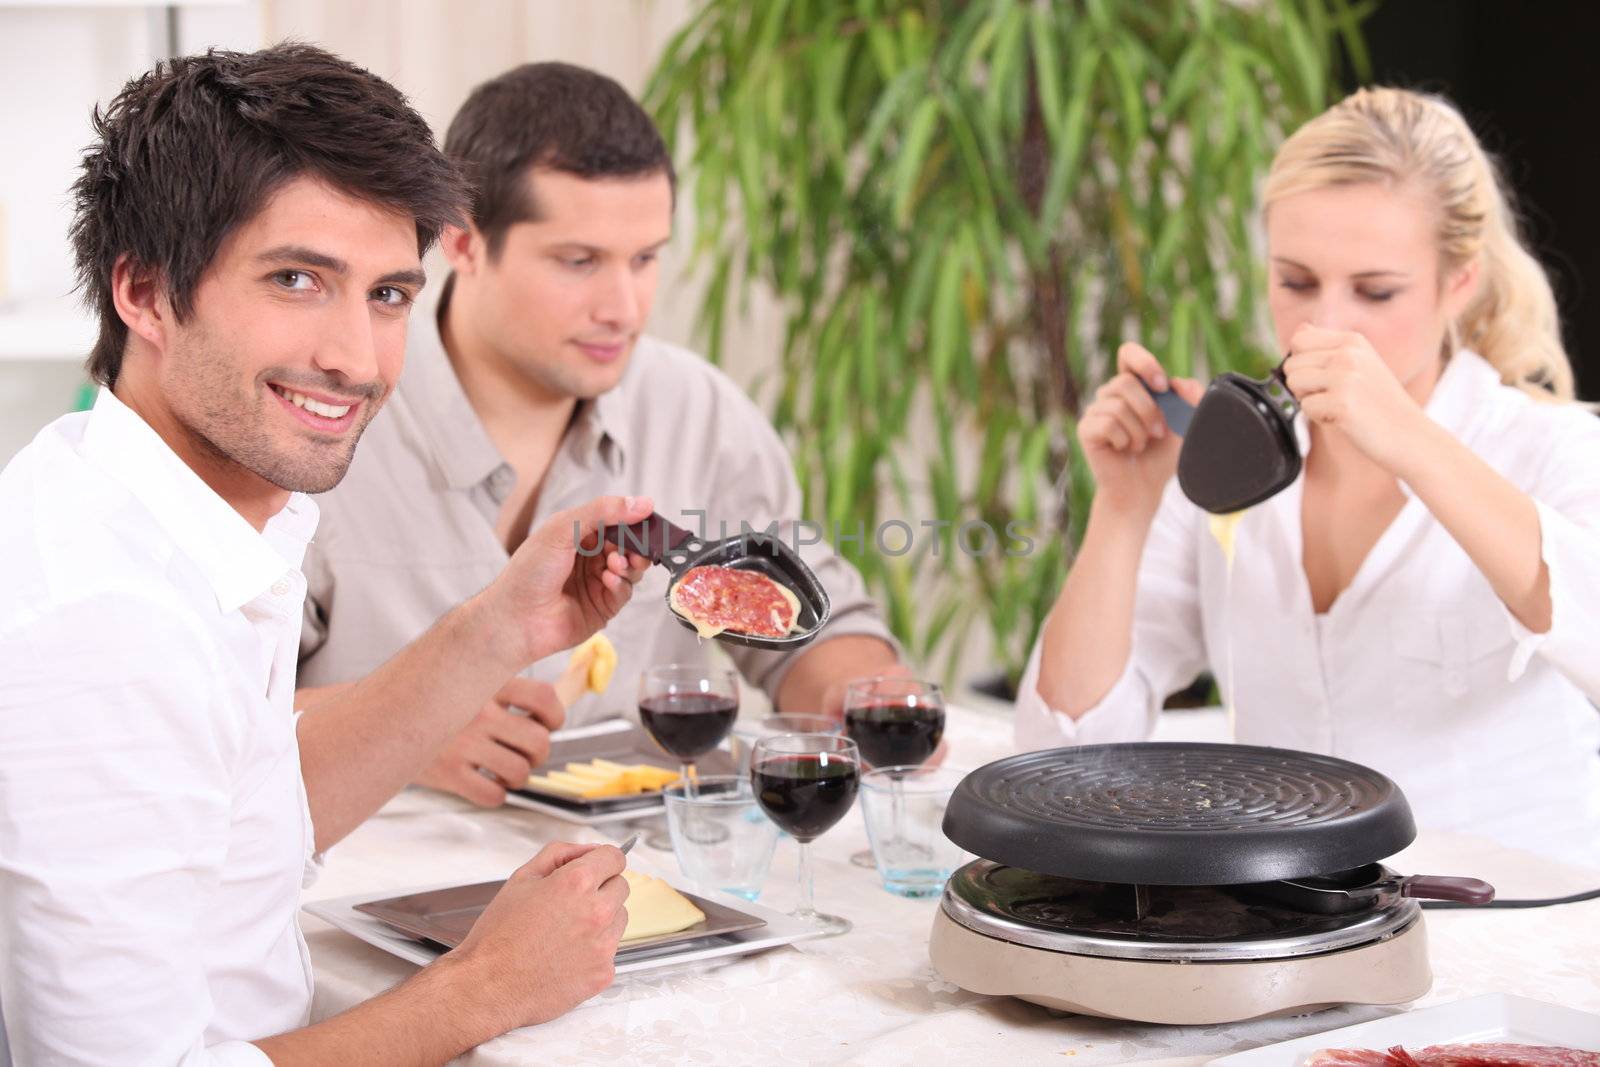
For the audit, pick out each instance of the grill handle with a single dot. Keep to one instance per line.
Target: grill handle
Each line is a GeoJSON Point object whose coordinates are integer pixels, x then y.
{"type": "Point", "coordinates": [1441, 887]}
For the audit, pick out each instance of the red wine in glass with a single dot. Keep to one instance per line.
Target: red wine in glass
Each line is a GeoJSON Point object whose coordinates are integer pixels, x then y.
{"type": "Point", "coordinates": [805, 795]}
{"type": "Point", "coordinates": [897, 722]}
{"type": "Point", "coordinates": [688, 725]}
{"type": "Point", "coordinates": [688, 709]}
{"type": "Point", "coordinates": [805, 783]}
{"type": "Point", "coordinates": [895, 731]}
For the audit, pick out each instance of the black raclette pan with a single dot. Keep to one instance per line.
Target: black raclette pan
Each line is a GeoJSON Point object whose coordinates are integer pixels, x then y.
{"type": "Point", "coordinates": [680, 551]}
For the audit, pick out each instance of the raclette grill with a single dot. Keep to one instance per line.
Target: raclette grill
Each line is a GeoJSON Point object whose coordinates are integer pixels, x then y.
{"type": "Point", "coordinates": [1185, 883]}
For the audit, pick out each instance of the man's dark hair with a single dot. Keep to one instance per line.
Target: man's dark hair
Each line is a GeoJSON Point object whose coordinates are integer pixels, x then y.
{"type": "Point", "coordinates": [554, 116]}
{"type": "Point", "coordinates": [198, 145]}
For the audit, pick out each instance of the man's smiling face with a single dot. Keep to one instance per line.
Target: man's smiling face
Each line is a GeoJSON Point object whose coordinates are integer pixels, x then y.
{"type": "Point", "coordinates": [296, 337]}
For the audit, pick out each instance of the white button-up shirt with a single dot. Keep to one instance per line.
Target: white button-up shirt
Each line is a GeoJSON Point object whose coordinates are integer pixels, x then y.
{"type": "Point", "coordinates": [154, 831]}
{"type": "Point", "coordinates": [1417, 669]}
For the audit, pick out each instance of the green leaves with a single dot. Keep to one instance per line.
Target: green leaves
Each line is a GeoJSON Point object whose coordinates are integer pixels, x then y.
{"type": "Point", "coordinates": [964, 206]}
{"type": "Point", "coordinates": [908, 172]}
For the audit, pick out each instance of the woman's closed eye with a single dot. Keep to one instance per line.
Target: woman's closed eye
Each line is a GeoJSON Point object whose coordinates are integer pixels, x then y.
{"type": "Point", "coordinates": [1375, 296]}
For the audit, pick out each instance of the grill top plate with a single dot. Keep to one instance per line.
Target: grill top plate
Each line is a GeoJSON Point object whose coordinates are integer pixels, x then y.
{"type": "Point", "coordinates": [1162, 813]}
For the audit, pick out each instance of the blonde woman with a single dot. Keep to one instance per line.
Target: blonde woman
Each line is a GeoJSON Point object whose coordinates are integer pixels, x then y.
{"type": "Point", "coordinates": [1425, 599]}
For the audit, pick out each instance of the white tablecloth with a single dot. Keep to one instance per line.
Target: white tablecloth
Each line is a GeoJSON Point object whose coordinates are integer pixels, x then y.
{"type": "Point", "coordinates": [871, 996]}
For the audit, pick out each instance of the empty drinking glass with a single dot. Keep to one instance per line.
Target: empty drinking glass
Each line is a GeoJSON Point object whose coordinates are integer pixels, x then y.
{"type": "Point", "coordinates": [720, 835]}
{"type": "Point", "coordinates": [904, 810]}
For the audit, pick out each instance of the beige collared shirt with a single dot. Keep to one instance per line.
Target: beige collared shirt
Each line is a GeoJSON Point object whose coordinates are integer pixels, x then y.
{"type": "Point", "coordinates": [410, 532]}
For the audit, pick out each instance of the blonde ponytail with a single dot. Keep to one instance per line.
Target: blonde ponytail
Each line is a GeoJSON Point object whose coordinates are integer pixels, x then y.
{"type": "Point", "coordinates": [1394, 136]}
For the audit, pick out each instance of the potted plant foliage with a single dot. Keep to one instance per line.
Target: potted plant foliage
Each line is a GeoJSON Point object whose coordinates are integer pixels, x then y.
{"type": "Point", "coordinates": [963, 207]}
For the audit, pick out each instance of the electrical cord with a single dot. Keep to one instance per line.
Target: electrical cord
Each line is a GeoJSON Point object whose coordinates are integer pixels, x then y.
{"type": "Point", "coordinates": [1454, 905]}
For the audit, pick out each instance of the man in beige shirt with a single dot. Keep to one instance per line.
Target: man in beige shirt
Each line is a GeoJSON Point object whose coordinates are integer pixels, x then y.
{"type": "Point", "coordinates": [529, 386]}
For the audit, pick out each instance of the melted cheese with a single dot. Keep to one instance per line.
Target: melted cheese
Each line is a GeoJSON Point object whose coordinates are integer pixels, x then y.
{"type": "Point", "coordinates": [708, 630]}
{"type": "Point", "coordinates": [1224, 529]}
{"type": "Point", "coordinates": [655, 908]}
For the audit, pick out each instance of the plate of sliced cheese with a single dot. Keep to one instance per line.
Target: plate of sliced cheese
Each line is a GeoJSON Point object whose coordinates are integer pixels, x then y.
{"type": "Point", "coordinates": [668, 922]}
{"type": "Point", "coordinates": [604, 771]}
{"type": "Point", "coordinates": [601, 779]}
{"type": "Point", "coordinates": [658, 914]}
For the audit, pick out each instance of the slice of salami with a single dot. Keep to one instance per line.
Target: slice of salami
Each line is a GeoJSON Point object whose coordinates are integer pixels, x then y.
{"type": "Point", "coordinates": [1504, 1055]}
{"type": "Point", "coordinates": [1349, 1057]}
{"type": "Point", "coordinates": [718, 599]}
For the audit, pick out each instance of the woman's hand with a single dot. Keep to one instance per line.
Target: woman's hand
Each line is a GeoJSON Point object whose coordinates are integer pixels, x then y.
{"type": "Point", "coordinates": [1125, 438]}
{"type": "Point", "coordinates": [1342, 382]}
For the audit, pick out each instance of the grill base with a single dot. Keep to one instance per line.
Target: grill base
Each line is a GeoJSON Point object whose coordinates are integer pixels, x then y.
{"type": "Point", "coordinates": [1390, 971]}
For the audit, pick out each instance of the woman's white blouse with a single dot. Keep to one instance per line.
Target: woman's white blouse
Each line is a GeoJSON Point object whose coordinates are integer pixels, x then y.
{"type": "Point", "coordinates": [1417, 669]}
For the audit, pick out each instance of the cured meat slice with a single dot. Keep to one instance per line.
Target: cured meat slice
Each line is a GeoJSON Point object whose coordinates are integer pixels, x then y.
{"type": "Point", "coordinates": [1479, 1055]}
{"type": "Point", "coordinates": [730, 599]}
{"type": "Point", "coordinates": [1504, 1055]}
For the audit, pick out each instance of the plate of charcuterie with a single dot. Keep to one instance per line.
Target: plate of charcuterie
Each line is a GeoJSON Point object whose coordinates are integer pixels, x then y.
{"type": "Point", "coordinates": [1487, 1031]}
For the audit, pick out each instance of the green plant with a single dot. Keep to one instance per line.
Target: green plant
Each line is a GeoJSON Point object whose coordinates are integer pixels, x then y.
{"type": "Point", "coordinates": [964, 206]}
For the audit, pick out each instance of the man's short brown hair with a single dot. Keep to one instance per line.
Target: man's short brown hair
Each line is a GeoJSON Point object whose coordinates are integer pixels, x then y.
{"type": "Point", "coordinates": [198, 145]}
{"type": "Point", "coordinates": [547, 115]}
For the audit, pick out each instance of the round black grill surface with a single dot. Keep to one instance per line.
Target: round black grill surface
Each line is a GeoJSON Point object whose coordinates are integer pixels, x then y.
{"type": "Point", "coordinates": [1178, 814]}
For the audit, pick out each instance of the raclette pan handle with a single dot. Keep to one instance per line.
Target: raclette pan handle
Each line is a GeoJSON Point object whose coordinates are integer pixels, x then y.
{"type": "Point", "coordinates": [653, 537]}
{"type": "Point", "coordinates": [1175, 409]}
{"type": "Point", "coordinates": [1179, 413]}
{"type": "Point", "coordinates": [1442, 887]}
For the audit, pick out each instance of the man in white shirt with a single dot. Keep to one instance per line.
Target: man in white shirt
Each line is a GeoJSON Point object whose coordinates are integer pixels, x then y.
{"type": "Point", "coordinates": [250, 230]}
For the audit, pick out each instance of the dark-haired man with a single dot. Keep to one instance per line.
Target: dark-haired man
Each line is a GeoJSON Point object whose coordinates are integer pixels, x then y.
{"type": "Point", "coordinates": [249, 229]}
{"type": "Point", "coordinates": [530, 385]}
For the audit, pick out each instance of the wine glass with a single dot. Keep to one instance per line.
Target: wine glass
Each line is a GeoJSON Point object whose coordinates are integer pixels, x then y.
{"type": "Point", "coordinates": [805, 783]}
{"type": "Point", "coordinates": [897, 723]}
{"type": "Point", "coordinates": [688, 709]}
{"type": "Point", "coordinates": [745, 736]}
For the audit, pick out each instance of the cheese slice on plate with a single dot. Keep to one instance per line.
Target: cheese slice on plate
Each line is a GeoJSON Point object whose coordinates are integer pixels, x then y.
{"type": "Point", "coordinates": [655, 908]}
{"type": "Point", "coordinates": [603, 778]}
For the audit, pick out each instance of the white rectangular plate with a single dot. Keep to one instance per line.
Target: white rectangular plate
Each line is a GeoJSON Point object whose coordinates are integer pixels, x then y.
{"type": "Point", "coordinates": [781, 929]}
{"type": "Point", "coordinates": [1496, 1017]}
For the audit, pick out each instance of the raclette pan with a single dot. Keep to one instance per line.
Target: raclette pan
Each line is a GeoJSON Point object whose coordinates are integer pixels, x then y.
{"type": "Point", "coordinates": [678, 550]}
{"type": "Point", "coordinates": [1239, 444]}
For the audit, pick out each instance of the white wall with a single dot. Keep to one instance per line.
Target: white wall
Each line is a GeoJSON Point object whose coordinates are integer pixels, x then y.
{"type": "Point", "coordinates": [56, 62]}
